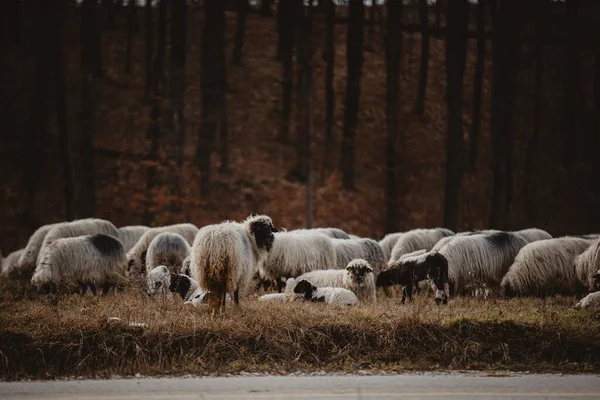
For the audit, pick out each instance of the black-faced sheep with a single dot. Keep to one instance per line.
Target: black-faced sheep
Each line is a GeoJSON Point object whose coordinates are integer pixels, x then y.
{"type": "Point", "coordinates": [88, 261]}
{"type": "Point", "coordinates": [168, 249]}
{"type": "Point", "coordinates": [225, 256]}
{"type": "Point", "coordinates": [418, 239]}
{"type": "Point", "coordinates": [347, 250]}
{"type": "Point", "coordinates": [328, 295]}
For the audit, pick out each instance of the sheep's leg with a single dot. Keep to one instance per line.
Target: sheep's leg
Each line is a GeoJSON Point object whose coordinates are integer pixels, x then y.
{"type": "Point", "coordinates": [93, 289]}
{"type": "Point", "coordinates": [409, 292]}
{"type": "Point", "coordinates": [280, 286]}
{"type": "Point", "coordinates": [83, 287]}
{"type": "Point", "coordinates": [403, 295]}
{"type": "Point", "coordinates": [236, 297]}
{"type": "Point", "coordinates": [106, 288]}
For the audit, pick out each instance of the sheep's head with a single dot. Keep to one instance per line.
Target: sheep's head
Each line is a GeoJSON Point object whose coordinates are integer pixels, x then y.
{"type": "Point", "coordinates": [181, 284]}
{"type": "Point", "coordinates": [136, 265]}
{"type": "Point", "coordinates": [596, 281]}
{"type": "Point", "coordinates": [158, 280]}
{"type": "Point", "coordinates": [437, 271]}
{"type": "Point", "coordinates": [261, 227]}
{"type": "Point", "coordinates": [185, 269]}
{"type": "Point", "coordinates": [359, 269]}
{"type": "Point", "coordinates": [306, 288]}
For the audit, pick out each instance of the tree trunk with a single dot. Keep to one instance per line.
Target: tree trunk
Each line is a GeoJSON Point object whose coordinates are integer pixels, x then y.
{"type": "Point", "coordinates": [96, 43]}
{"type": "Point", "coordinates": [131, 18]}
{"type": "Point", "coordinates": [109, 8]}
{"type": "Point", "coordinates": [456, 46]}
{"type": "Point", "coordinates": [177, 74]}
{"type": "Point", "coordinates": [393, 59]}
{"type": "Point", "coordinates": [355, 57]}
{"type": "Point", "coordinates": [424, 68]}
{"type": "Point", "coordinates": [571, 87]}
{"type": "Point", "coordinates": [596, 139]}
{"type": "Point", "coordinates": [242, 8]}
{"type": "Point", "coordinates": [478, 86]}
{"type": "Point", "coordinates": [266, 8]}
{"type": "Point", "coordinates": [281, 19]}
{"type": "Point", "coordinates": [371, 27]}
{"type": "Point", "coordinates": [158, 68]}
{"type": "Point", "coordinates": [149, 49]}
{"type": "Point", "coordinates": [438, 14]}
{"type": "Point", "coordinates": [329, 58]}
{"type": "Point", "coordinates": [87, 196]}
{"type": "Point", "coordinates": [286, 8]}
{"type": "Point", "coordinates": [213, 87]}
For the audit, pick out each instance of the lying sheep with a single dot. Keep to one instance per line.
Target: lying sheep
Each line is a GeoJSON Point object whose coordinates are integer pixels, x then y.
{"type": "Point", "coordinates": [334, 233]}
{"type": "Point", "coordinates": [189, 290]}
{"type": "Point", "coordinates": [592, 300]}
{"type": "Point", "coordinates": [28, 259]}
{"type": "Point", "coordinates": [276, 297]}
{"type": "Point", "coordinates": [347, 250]}
{"type": "Point", "coordinates": [159, 281]}
{"type": "Point", "coordinates": [295, 253]}
{"type": "Point", "coordinates": [329, 295]}
{"type": "Point", "coordinates": [136, 255]}
{"type": "Point", "coordinates": [418, 239]}
{"type": "Point", "coordinates": [88, 261]}
{"type": "Point", "coordinates": [130, 235]}
{"type": "Point", "coordinates": [10, 263]}
{"type": "Point", "coordinates": [586, 265]}
{"type": "Point", "coordinates": [168, 249]}
{"type": "Point", "coordinates": [357, 277]}
{"type": "Point", "coordinates": [388, 242]}
{"type": "Point", "coordinates": [225, 256]}
{"type": "Point", "coordinates": [545, 268]}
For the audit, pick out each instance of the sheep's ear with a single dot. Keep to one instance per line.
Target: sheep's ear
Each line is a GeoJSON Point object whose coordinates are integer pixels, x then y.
{"type": "Point", "coordinates": [273, 229]}
{"type": "Point", "coordinates": [597, 276]}
{"type": "Point", "coordinates": [368, 268]}
{"type": "Point", "coordinates": [349, 268]}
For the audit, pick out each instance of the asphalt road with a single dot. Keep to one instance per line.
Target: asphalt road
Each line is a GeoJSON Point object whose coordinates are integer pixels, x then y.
{"type": "Point", "coordinates": [412, 386]}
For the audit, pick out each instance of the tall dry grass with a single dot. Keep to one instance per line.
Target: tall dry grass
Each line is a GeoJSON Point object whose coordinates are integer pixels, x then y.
{"type": "Point", "coordinates": [49, 336]}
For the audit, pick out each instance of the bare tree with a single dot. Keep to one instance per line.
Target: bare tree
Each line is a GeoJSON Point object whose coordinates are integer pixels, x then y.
{"type": "Point", "coordinates": [355, 58]}
{"type": "Point", "coordinates": [371, 26]}
{"type": "Point", "coordinates": [242, 9]}
{"type": "Point", "coordinates": [131, 26]}
{"type": "Point", "coordinates": [286, 9]}
{"type": "Point", "coordinates": [478, 85]}
{"type": "Point", "coordinates": [329, 58]}
{"type": "Point", "coordinates": [572, 84]}
{"type": "Point", "coordinates": [266, 8]}
{"type": "Point", "coordinates": [177, 63]}
{"type": "Point", "coordinates": [424, 67]}
{"type": "Point", "coordinates": [149, 48]}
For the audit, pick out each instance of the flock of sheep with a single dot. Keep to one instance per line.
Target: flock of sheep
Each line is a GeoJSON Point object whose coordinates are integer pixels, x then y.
{"type": "Point", "coordinates": [218, 262]}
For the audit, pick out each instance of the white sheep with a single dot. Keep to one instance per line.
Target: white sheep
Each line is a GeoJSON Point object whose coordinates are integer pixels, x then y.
{"type": "Point", "coordinates": [28, 259]}
{"type": "Point", "coordinates": [388, 242]}
{"type": "Point", "coordinates": [159, 281]}
{"type": "Point", "coordinates": [272, 297]}
{"type": "Point", "coordinates": [545, 268]}
{"type": "Point", "coordinates": [168, 249]}
{"type": "Point", "coordinates": [586, 265]}
{"type": "Point", "coordinates": [130, 235]}
{"type": "Point", "coordinates": [225, 256]}
{"type": "Point", "coordinates": [592, 300]}
{"type": "Point", "coordinates": [328, 295]}
{"type": "Point", "coordinates": [88, 261]}
{"type": "Point", "coordinates": [418, 239]}
{"type": "Point", "coordinates": [533, 234]}
{"type": "Point", "coordinates": [334, 233]}
{"type": "Point", "coordinates": [347, 250]}
{"type": "Point", "coordinates": [10, 262]}
{"type": "Point", "coordinates": [136, 256]}
{"type": "Point", "coordinates": [295, 253]}
{"type": "Point", "coordinates": [357, 277]}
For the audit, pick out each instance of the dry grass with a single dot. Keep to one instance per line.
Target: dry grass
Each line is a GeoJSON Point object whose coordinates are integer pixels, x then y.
{"type": "Point", "coordinates": [45, 337]}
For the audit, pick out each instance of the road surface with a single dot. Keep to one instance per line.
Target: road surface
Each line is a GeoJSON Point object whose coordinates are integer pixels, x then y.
{"type": "Point", "coordinates": [411, 386]}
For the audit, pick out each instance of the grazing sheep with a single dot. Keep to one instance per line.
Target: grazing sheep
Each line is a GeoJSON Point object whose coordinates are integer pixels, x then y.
{"type": "Point", "coordinates": [533, 234]}
{"type": "Point", "coordinates": [329, 295]}
{"type": "Point", "coordinates": [225, 256]}
{"type": "Point", "coordinates": [333, 233]}
{"type": "Point", "coordinates": [295, 253]}
{"type": "Point", "coordinates": [189, 290]}
{"type": "Point", "coordinates": [412, 268]}
{"type": "Point", "coordinates": [130, 235]}
{"type": "Point", "coordinates": [90, 260]}
{"type": "Point", "coordinates": [357, 277]}
{"type": "Point", "coordinates": [350, 249]}
{"type": "Point", "coordinates": [159, 281]}
{"type": "Point", "coordinates": [168, 249]}
{"type": "Point", "coordinates": [136, 263]}
{"type": "Point", "coordinates": [27, 262]}
{"type": "Point", "coordinates": [276, 297]}
{"type": "Point", "coordinates": [10, 263]}
{"type": "Point", "coordinates": [388, 242]}
{"type": "Point", "coordinates": [545, 268]}
{"type": "Point", "coordinates": [354, 236]}
{"type": "Point", "coordinates": [418, 239]}
{"type": "Point", "coordinates": [592, 300]}
{"type": "Point", "coordinates": [185, 268]}
{"type": "Point", "coordinates": [596, 281]}
{"type": "Point", "coordinates": [587, 264]}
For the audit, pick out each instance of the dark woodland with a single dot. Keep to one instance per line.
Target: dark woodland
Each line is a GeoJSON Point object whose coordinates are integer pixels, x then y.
{"type": "Point", "coordinates": [467, 115]}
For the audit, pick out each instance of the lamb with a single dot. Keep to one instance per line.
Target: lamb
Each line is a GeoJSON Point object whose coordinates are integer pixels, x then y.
{"type": "Point", "coordinates": [159, 281]}
{"type": "Point", "coordinates": [136, 255]}
{"type": "Point", "coordinates": [90, 260]}
{"type": "Point", "coordinates": [533, 234]}
{"type": "Point", "coordinates": [10, 262]}
{"type": "Point", "coordinates": [418, 239]}
{"type": "Point", "coordinates": [28, 259]}
{"type": "Point", "coordinates": [130, 235]}
{"type": "Point", "coordinates": [586, 265]}
{"type": "Point", "coordinates": [295, 253]}
{"type": "Point", "coordinates": [388, 242]}
{"type": "Point", "coordinates": [189, 290]}
{"type": "Point", "coordinates": [334, 233]}
{"type": "Point", "coordinates": [272, 297]}
{"type": "Point", "coordinates": [329, 295]}
{"type": "Point", "coordinates": [357, 277]}
{"type": "Point", "coordinates": [592, 300]}
{"type": "Point", "coordinates": [350, 249]}
{"type": "Point", "coordinates": [168, 249]}
{"type": "Point", "coordinates": [410, 269]}
{"type": "Point", "coordinates": [225, 256]}
{"type": "Point", "coordinates": [545, 268]}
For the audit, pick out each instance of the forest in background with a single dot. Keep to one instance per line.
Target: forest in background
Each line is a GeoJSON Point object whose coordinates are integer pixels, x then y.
{"type": "Point", "coordinates": [204, 111]}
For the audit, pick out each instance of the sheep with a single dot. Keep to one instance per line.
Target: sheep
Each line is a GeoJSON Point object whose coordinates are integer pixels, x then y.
{"type": "Point", "coordinates": [185, 267]}
{"type": "Point", "coordinates": [159, 281]}
{"type": "Point", "coordinates": [596, 281]}
{"type": "Point", "coordinates": [545, 267]}
{"type": "Point", "coordinates": [272, 297]}
{"type": "Point", "coordinates": [10, 263]}
{"type": "Point", "coordinates": [357, 277]}
{"type": "Point", "coordinates": [329, 295]}
{"type": "Point", "coordinates": [592, 300]}
{"type": "Point", "coordinates": [412, 268]}
{"type": "Point", "coordinates": [130, 235]}
{"type": "Point", "coordinates": [189, 290]}
{"type": "Point", "coordinates": [28, 259]}
{"type": "Point", "coordinates": [334, 233]}
{"type": "Point", "coordinates": [418, 239]}
{"type": "Point", "coordinates": [169, 249]}
{"type": "Point", "coordinates": [533, 234]}
{"type": "Point", "coordinates": [295, 253]}
{"type": "Point", "coordinates": [89, 260]}
{"type": "Point", "coordinates": [225, 256]}
{"type": "Point", "coordinates": [586, 265]}
{"type": "Point", "coordinates": [136, 263]}
{"type": "Point", "coordinates": [350, 249]}
{"type": "Point", "coordinates": [388, 242]}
